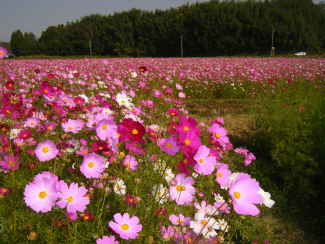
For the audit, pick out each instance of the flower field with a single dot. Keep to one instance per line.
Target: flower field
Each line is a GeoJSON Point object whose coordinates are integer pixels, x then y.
{"type": "Point", "coordinates": [108, 151]}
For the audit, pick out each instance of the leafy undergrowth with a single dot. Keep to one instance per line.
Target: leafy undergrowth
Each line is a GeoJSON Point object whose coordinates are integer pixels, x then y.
{"type": "Point", "coordinates": [275, 225]}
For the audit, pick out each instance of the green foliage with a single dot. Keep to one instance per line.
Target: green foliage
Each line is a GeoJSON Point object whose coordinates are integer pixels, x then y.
{"type": "Point", "coordinates": [207, 29]}
{"type": "Point", "coordinates": [290, 131]}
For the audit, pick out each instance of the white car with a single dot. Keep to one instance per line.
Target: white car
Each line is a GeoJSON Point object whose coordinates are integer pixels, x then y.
{"type": "Point", "coordinates": [301, 54]}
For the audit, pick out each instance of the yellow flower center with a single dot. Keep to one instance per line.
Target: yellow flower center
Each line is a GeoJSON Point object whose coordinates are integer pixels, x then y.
{"type": "Point", "coordinates": [180, 188]}
{"type": "Point", "coordinates": [169, 145]}
{"type": "Point", "coordinates": [237, 194]}
{"type": "Point", "coordinates": [90, 164]}
{"type": "Point", "coordinates": [217, 135]}
{"type": "Point", "coordinates": [180, 221]}
{"type": "Point", "coordinates": [123, 102]}
{"type": "Point", "coordinates": [185, 128]}
{"type": "Point", "coordinates": [42, 194]}
{"type": "Point", "coordinates": [203, 222]}
{"type": "Point", "coordinates": [201, 160]}
{"type": "Point", "coordinates": [11, 163]}
{"type": "Point", "coordinates": [219, 174]}
{"type": "Point", "coordinates": [2, 52]}
{"type": "Point", "coordinates": [45, 149]}
{"type": "Point", "coordinates": [187, 142]}
{"type": "Point", "coordinates": [135, 132]}
{"type": "Point", "coordinates": [104, 126]}
{"type": "Point", "coordinates": [69, 199]}
{"type": "Point", "coordinates": [124, 226]}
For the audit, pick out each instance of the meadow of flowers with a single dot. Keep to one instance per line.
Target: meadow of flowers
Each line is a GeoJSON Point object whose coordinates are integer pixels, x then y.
{"type": "Point", "coordinates": [105, 151]}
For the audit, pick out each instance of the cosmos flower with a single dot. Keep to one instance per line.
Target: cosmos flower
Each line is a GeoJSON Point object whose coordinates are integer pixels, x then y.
{"type": "Point", "coordinates": [46, 150]}
{"type": "Point", "coordinates": [106, 129]}
{"type": "Point", "coordinates": [244, 194]}
{"type": "Point", "coordinates": [124, 225]}
{"type": "Point", "coordinates": [107, 240]}
{"type": "Point", "coordinates": [40, 194]}
{"type": "Point", "coordinates": [169, 145]}
{"type": "Point", "coordinates": [204, 225]}
{"type": "Point", "coordinates": [181, 189]}
{"type": "Point", "coordinates": [130, 130]}
{"type": "Point", "coordinates": [124, 100]}
{"type": "Point", "coordinates": [3, 53]}
{"type": "Point", "coordinates": [205, 164]}
{"type": "Point", "coordinates": [93, 165]}
{"type": "Point", "coordinates": [73, 126]}
{"type": "Point", "coordinates": [72, 197]}
{"type": "Point", "coordinates": [130, 162]}
{"type": "Point", "coordinates": [222, 175]}
{"type": "Point", "coordinates": [160, 193]}
{"type": "Point", "coordinates": [266, 198]}
{"type": "Point", "coordinates": [119, 187]}
{"type": "Point", "coordinates": [179, 219]}
{"type": "Point", "coordinates": [10, 162]}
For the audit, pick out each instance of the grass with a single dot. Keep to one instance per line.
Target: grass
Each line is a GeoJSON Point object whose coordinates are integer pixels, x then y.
{"type": "Point", "coordinates": [274, 225]}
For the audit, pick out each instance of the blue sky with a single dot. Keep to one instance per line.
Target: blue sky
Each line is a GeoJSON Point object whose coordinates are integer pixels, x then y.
{"type": "Point", "coordinates": [36, 15]}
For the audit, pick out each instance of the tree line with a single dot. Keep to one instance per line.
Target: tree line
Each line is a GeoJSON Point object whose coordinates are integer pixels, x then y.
{"type": "Point", "coordinates": [203, 29]}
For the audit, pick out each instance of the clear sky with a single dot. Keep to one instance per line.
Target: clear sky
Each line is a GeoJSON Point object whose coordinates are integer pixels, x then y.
{"type": "Point", "coordinates": [36, 15]}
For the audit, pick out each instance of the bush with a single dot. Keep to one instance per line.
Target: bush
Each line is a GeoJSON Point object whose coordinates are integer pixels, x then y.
{"type": "Point", "coordinates": [290, 137]}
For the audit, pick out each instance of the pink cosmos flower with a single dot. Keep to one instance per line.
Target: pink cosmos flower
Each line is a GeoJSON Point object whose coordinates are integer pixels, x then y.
{"type": "Point", "coordinates": [244, 194]}
{"type": "Point", "coordinates": [73, 125]}
{"type": "Point", "coordinates": [169, 145]}
{"type": "Point", "coordinates": [40, 194]}
{"type": "Point", "coordinates": [179, 219]}
{"type": "Point", "coordinates": [181, 189]}
{"type": "Point", "coordinates": [130, 162]}
{"type": "Point", "coordinates": [218, 132]}
{"type": "Point", "coordinates": [205, 164]}
{"type": "Point", "coordinates": [10, 162]}
{"type": "Point", "coordinates": [222, 175]}
{"type": "Point", "coordinates": [126, 227]}
{"type": "Point", "coordinates": [46, 150]}
{"type": "Point", "coordinates": [3, 53]}
{"type": "Point", "coordinates": [167, 233]}
{"type": "Point", "coordinates": [74, 198]}
{"type": "Point", "coordinates": [107, 240]}
{"type": "Point", "coordinates": [106, 129]}
{"type": "Point", "coordinates": [93, 165]}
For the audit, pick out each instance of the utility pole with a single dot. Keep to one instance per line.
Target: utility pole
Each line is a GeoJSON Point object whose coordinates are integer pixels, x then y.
{"type": "Point", "coordinates": [181, 45]}
{"type": "Point", "coordinates": [272, 44]}
{"type": "Point", "coordinates": [90, 47]}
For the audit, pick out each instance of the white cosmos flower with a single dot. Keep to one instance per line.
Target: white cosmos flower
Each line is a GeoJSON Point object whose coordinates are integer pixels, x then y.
{"type": "Point", "coordinates": [266, 196]}
{"type": "Point", "coordinates": [204, 225]}
{"type": "Point", "coordinates": [124, 100]}
{"type": "Point", "coordinates": [119, 187]}
{"type": "Point", "coordinates": [161, 193]}
{"type": "Point", "coordinates": [14, 133]}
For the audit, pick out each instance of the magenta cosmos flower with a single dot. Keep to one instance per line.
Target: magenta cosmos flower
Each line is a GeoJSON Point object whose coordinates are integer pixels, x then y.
{"type": "Point", "coordinates": [181, 189]}
{"type": "Point", "coordinates": [244, 194]}
{"type": "Point", "coordinates": [46, 151]}
{"type": "Point", "coordinates": [107, 240]}
{"type": "Point", "coordinates": [205, 164]}
{"type": "Point", "coordinates": [93, 165]}
{"type": "Point", "coordinates": [126, 227]}
{"type": "Point", "coordinates": [40, 194]}
{"type": "Point", "coordinates": [73, 126]}
{"type": "Point", "coordinates": [3, 53]}
{"type": "Point", "coordinates": [169, 145]}
{"type": "Point", "coordinates": [74, 198]}
{"type": "Point", "coordinates": [10, 162]}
